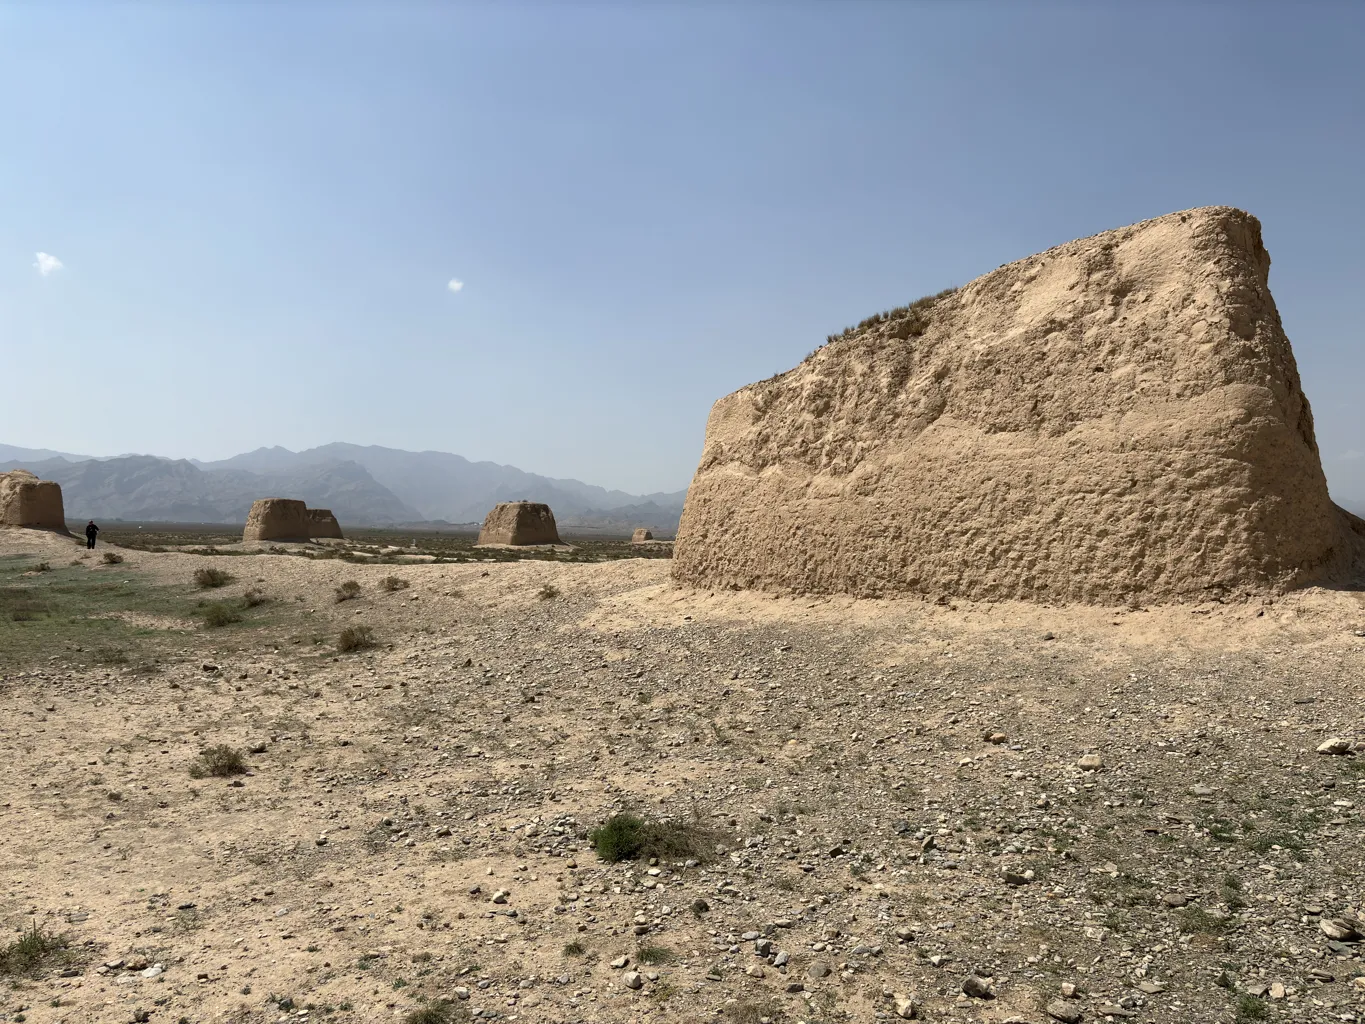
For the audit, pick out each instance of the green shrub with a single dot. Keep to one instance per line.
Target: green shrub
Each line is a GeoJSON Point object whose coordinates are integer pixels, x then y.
{"type": "Point", "coordinates": [220, 761]}
{"type": "Point", "coordinates": [442, 1011]}
{"type": "Point", "coordinates": [655, 955]}
{"type": "Point", "coordinates": [219, 613]}
{"type": "Point", "coordinates": [355, 638]}
{"type": "Point", "coordinates": [392, 583]}
{"type": "Point", "coordinates": [209, 579]}
{"type": "Point", "coordinates": [28, 955]}
{"type": "Point", "coordinates": [575, 948]}
{"type": "Point", "coordinates": [1251, 1008]}
{"type": "Point", "coordinates": [627, 836]}
{"type": "Point", "coordinates": [348, 591]}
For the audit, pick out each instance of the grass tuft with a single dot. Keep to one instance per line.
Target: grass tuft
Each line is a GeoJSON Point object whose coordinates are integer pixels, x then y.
{"type": "Point", "coordinates": [220, 761]}
{"type": "Point", "coordinates": [391, 583]}
{"type": "Point", "coordinates": [219, 613]}
{"type": "Point", "coordinates": [548, 592]}
{"type": "Point", "coordinates": [629, 837]}
{"type": "Point", "coordinates": [355, 638]}
{"type": "Point", "coordinates": [655, 955]}
{"type": "Point", "coordinates": [111, 558]}
{"type": "Point", "coordinates": [443, 1011]}
{"type": "Point", "coordinates": [348, 591]}
{"type": "Point", "coordinates": [36, 949]}
{"type": "Point", "coordinates": [210, 579]}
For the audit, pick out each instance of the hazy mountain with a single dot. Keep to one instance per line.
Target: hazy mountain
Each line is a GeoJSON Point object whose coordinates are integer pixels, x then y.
{"type": "Point", "coordinates": [450, 487]}
{"type": "Point", "coordinates": [143, 487]}
{"type": "Point", "coordinates": [12, 453]}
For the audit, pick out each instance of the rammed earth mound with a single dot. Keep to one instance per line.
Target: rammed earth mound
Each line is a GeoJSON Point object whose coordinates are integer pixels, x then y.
{"type": "Point", "coordinates": [1115, 420]}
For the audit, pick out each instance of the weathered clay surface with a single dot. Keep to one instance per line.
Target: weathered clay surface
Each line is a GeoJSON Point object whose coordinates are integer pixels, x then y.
{"type": "Point", "coordinates": [27, 501]}
{"type": "Point", "coordinates": [323, 525]}
{"type": "Point", "coordinates": [641, 536]}
{"type": "Point", "coordinates": [277, 519]}
{"type": "Point", "coordinates": [520, 522]}
{"type": "Point", "coordinates": [1117, 419]}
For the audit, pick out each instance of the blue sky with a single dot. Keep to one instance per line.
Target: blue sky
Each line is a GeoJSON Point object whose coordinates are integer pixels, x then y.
{"type": "Point", "coordinates": [258, 208]}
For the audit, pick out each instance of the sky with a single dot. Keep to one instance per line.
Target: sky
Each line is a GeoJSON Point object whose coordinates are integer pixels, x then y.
{"type": "Point", "coordinates": [553, 235]}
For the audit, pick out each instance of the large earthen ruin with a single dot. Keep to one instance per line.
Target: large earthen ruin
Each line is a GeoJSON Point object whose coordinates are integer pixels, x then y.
{"type": "Point", "coordinates": [1115, 420]}
{"type": "Point", "coordinates": [322, 525]}
{"type": "Point", "coordinates": [27, 501]}
{"type": "Point", "coordinates": [519, 522]}
{"type": "Point", "coordinates": [277, 519]}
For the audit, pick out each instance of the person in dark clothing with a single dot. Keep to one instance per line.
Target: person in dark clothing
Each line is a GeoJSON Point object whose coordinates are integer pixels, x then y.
{"type": "Point", "coordinates": [91, 530]}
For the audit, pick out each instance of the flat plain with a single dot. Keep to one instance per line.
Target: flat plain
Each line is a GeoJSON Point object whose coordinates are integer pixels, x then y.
{"type": "Point", "coordinates": [216, 808]}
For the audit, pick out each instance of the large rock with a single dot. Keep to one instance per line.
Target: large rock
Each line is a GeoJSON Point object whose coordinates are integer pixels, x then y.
{"type": "Point", "coordinates": [519, 522]}
{"type": "Point", "coordinates": [277, 519]}
{"type": "Point", "coordinates": [1118, 419]}
{"type": "Point", "coordinates": [27, 501]}
{"type": "Point", "coordinates": [322, 524]}
{"type": "Point", "coordinates": [641, 536]}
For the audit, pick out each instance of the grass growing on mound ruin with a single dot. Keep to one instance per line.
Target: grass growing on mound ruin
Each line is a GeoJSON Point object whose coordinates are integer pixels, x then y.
{"type": "Point", "coordinates": [220, 761]}
{"type": "Point", "coordinates": [208, 579]}
{"type": "Point", "coordinates": [30, 954]}
{"type": "Point", "coordinates": [355, 638]}
{"type": "Point", "coordinates": [628, 836]}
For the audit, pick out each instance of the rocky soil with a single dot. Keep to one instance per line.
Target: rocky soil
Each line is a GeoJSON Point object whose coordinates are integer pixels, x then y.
{"type": "Point", "coordinates": [967, 813]}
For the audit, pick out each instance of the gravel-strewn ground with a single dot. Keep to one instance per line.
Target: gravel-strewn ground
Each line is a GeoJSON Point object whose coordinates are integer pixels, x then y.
{"type": "Point", "coordinates": [902, 801]}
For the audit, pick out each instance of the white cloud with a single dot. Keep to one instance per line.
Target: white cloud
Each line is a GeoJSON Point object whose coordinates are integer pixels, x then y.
{"type": "Point", "coordinates": [455, 285]}
{"type": "Point", "coordinates": [47, 263]}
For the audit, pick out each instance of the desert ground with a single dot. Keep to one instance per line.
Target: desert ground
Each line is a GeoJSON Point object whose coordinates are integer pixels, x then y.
{"type": "Point", "coordinates": [857, 809]}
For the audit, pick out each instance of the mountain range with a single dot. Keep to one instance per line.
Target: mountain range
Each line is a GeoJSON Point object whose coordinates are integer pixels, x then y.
{"type": "Point", "coordinates": [363, 485]}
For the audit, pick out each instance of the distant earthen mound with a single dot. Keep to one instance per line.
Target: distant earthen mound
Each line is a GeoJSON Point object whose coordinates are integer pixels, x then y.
{"type": "Point", "coordinates": [520, 522]}
{"type": "Point", "coordinates": [1115, 420]}
{"type": "Point", "coordinates": [641, 536]}
{"type": "Point", "coordinates": [323, 525]}
{"type": "Point", "coordinates": [277, 519]}
{"type": "Point", "coordinates": [27, 501]}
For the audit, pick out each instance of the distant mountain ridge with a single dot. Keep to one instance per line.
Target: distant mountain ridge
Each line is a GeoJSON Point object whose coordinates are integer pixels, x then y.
{"type": "Point", "coordinates": [144, 487]}
{"type": "Point", "coordinates": [363, 485]}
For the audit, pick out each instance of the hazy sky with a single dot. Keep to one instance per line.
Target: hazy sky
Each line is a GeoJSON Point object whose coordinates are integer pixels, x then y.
{"type": "Point", "coordinates": [232, 225]}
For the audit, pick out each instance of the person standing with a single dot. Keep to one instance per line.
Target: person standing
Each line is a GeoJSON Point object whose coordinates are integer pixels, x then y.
{"type": "Point", "coordinates": [91, 531]}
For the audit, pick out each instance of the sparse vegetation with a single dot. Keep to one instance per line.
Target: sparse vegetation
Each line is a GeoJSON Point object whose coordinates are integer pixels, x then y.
{"type": "Point", "coordinates": [574, 948]}
{"type": "Point", "coordinates": [348, 591]}
{"type": "Point", "coordinates": [391, 583]}
{"type": "Point", "coordinates": [217, 614]}
{"type": "Point", "coordinates": [756, 1011]}
{"type": "Point", "coordinates": [220, 761]}
{"type": "Point", "coordinates": [548, 592]}
{"type": "Point", "coordinates": [43, 567]}
{"type": "Point", "coordinates": [210, 579]}
{"type": "Point", "coordinates": [355, 638]}
{"type": "Point", "coordinates": [442, 1011]}
{"type": "Point", "coordinates": [111, 558]}
{"type": "Point", "coordinates": [629, 837]}
{"type": "Point", "coordinates": [655, 955]}
{"type": "Point", "coordinates": [254, 598]}
{"type": "Point", "coordinates": [1251, 1008]}
{"type": "Point", "coordinates": [32, 952]}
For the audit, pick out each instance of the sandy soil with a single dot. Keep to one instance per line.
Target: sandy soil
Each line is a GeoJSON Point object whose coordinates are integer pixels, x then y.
{"type": "Point", "coordinates": [894, 792]}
